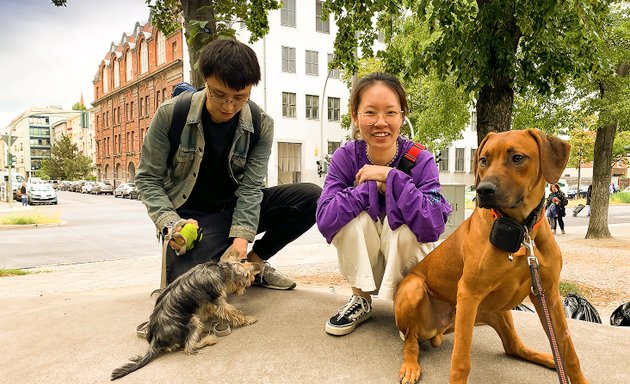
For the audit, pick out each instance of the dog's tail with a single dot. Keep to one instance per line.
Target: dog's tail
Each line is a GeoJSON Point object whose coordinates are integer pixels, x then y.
{"type": "Point", "coordinates": [137, 363]}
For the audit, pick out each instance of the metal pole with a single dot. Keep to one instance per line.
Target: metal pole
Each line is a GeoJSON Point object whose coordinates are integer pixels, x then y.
{"type": "Point", "coordinates": [321, 120]}
{"type": "Point", "coordinates": [10, 181]}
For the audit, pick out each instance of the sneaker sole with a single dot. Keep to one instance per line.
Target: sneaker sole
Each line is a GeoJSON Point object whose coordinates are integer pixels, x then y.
{"type": "Point", "coordinates": [275, 286]}
{"type": "Point", "coordinates": [341, 331]}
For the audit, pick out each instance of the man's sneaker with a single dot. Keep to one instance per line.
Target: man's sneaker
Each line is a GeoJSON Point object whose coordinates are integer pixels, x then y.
{"type": "Point", "coordinates": [357, 310]}
{"type": "Point", "coordinates": [271, 278]}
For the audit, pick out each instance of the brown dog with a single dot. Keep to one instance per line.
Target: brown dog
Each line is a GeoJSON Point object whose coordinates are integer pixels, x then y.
{"type": "Point", "coordinates": [467, 272]}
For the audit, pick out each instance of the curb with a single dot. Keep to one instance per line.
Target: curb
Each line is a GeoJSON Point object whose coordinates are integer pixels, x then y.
{"type": "Point", "coordinates": [31, 226]}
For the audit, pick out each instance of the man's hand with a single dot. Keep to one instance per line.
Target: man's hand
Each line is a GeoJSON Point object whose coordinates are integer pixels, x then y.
{"type": "Point", "coordinates": [240, 245]}
{"type": "Point", "coordinates": [177, 242]}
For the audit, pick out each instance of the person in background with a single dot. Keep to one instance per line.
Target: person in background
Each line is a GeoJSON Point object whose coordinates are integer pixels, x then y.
{"type": "Point", "coordinates": [559, 199]}
{"type": "Point", "coordinates": [381, 220]}
{"type": "Point", "coordinates": [589, 193]}
{"type": "Point", "coordinates": [23, 192]}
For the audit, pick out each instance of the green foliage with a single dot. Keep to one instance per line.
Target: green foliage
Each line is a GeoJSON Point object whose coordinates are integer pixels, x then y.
{"type": "Point", "coordinates": [567, 287]}
{"type": "Point", "coordinates": [78, 107]}
{"type": "Point", "coordinates": [621, 145]}
{"type": "Point", "coordinates": [582, 142]}
{"type": "Point", "coordinates": [66, 162]}
{"type": "Point", "coordinates": [12, 272]}
{"type": "Point", "coordinates": [551, 114]}
{"type": "Point", "coordinates": [205, 21]}
{"type": "Point", "coordinates": [621, 197]}
{"type": "Point", "coordinates": [29, 218]}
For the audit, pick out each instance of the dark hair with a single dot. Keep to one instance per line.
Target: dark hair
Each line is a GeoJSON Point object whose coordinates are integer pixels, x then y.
{"type": "Point", "coordinates": [231, 61]}
{"type": "Point", "coordinates": [554, 185]}
{"type": "Point", "coordinates": [378, 77]}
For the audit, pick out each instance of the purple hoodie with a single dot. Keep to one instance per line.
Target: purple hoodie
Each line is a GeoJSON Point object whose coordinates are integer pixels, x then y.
{"type": "Point", "coordinates": [413, 199]}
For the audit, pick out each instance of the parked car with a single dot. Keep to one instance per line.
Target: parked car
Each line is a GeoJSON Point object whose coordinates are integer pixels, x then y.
{"type": "Point", "coordinates": [572, 192]}
{"type": "Point", "coordinates": [41, 194]}
{"type": "Point", "coordinates": [125, 190]}
{"type": "Point", "coordinates": [87, 187]}
{"type": "Point", "coordinates": [104, 187]}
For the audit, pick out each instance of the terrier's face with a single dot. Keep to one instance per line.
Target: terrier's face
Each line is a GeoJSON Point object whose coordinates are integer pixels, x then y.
{"type": "Point", "coordinates": [242, 271]}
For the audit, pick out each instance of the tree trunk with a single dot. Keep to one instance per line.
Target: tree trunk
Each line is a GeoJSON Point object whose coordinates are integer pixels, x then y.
{"type": "Point", "coordinates": [198, 10]}
{"type": "Point", "coordinates": [598, 223]}
{"type": "Point", "coordinates": [494, 110]}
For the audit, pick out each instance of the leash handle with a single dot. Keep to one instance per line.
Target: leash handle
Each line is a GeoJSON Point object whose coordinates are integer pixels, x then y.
{"type": "Point", "coordinates": [539, 292]}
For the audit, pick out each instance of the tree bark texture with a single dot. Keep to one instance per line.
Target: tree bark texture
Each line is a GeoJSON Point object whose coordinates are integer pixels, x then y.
{"type": "Point", "coordinates": [192, 11]}
{"type": "Point", "coordinates": [598, 223]}
{"type": "Point", "coordinates": [494, 110]}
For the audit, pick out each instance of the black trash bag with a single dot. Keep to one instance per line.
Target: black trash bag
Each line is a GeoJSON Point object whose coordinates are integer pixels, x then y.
{"type": "Point", "coordinates": [577, 307]}
{"type": "Point", "coordinates": [621, 315]}
{"type": "Point", "coordinates": [524, 308]}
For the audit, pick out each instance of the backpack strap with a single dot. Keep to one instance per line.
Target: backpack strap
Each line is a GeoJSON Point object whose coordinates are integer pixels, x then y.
{"type": "Point", "coordinates": [409, 158]}
{"type": "Point", "coordinates": [256, 121]}
{"type": "Point", "coordinates": [180, 112]}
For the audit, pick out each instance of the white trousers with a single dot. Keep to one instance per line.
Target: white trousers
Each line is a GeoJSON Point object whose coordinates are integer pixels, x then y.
{"type": "Point", "coordinates": [373, 258]}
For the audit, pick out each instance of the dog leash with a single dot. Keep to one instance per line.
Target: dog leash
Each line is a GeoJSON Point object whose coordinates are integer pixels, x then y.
{"type": "Point", "coordinates": [539, 292]}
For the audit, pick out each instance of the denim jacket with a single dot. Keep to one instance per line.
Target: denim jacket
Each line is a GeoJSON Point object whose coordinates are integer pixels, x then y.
{"type": "Point", "coordinates": [163, 188]}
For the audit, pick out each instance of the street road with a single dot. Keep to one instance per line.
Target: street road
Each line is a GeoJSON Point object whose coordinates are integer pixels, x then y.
{"type": "Point", "coordinates": [105, 228]}
{"type": "Point", "coordinates": [97, 228]}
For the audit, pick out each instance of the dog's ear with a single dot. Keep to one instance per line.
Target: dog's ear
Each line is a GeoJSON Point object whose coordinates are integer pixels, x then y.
{"type": "Point", "coordinates": [554, 155]}
{"type": "Point", "coordinates": [478, 153]}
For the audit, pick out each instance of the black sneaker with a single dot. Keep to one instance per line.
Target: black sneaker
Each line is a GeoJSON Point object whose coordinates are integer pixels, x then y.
{"type": "Point", "coordinates": [271, 278]}
{"type": "Point", "coordinates": [349, 315]}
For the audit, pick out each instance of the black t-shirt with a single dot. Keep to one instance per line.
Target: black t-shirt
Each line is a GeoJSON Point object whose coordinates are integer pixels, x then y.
{"type": "Point", "coordinates": [214, 187]}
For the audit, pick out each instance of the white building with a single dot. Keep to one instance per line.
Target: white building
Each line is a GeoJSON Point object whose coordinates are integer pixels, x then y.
{"type": "Point", "coordinates": [294, 90]}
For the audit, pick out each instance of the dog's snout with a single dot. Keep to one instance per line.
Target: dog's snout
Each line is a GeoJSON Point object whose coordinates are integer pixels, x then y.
{"type": "Point", "coordinates": [486, 189]}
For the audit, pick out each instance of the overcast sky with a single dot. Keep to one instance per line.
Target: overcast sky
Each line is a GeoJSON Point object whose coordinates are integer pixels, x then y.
{"type": "Point", "coordinates": [49, 55]}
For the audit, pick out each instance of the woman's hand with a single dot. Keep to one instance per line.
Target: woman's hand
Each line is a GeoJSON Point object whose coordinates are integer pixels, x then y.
{"type": "Point", "coordinates": [377, 173]}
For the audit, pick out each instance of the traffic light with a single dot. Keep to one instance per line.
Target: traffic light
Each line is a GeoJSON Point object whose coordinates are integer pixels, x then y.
{"type": "Point", "coordinates": [438, 157]}
{"type": "Point", "coordinates": [9, 160]}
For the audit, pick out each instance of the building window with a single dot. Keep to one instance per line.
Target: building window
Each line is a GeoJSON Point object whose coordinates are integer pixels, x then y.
{"type": "Point", "coordinates": [288, 59]}
{"type": "Point", "coordinates": [332, 146]}
{"type": "Point", "coordinates": [128, 66]}
{"type": "Point", "coordinates": [472, 159]}
{"type": "Point", "coordinates": [312, 107]}
{"type": "Point", "coordinates": [312, 67]}
{"type": "Point", "coordinates": [444, 161]}
{"type": "Point", "coordinates": [157, 100]}
{"type": "Point", "coordinates": [381, 37]}
{"type": "Point", "coordinates": [288, 104]}
{"type": "Point", "coordinates": [161, 48]}
{"type": "Point", "coordinates": [334, 113]}
{"type": "Point", "coordinates": [334, 74]}
{"type": "Point", "coordinates": [147, 106]}
{"type": "Point", "coordinates": [144, 57]}
{"type": "Point", "coordinates": [105, 81]}
{"type": "Point", "coordinates": [320, 24]}
{"type": "Point", "coordinates": [473, 121]}
{"type": "Point", "coordinates": [459, 159]}
{"type": "Point", "coordinates": [174, 50]}
{"type": "Point", "coordinates": [287, 13]}
{"type": "Point", "coordinates": [116, 74]}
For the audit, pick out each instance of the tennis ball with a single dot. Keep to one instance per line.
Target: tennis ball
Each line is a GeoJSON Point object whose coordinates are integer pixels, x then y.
{"type": "Point", "coordinates": [189, 231]}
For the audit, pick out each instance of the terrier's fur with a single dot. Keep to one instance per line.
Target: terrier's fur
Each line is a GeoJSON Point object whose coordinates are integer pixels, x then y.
{"type": "Point", "coordinates": [185, 304]}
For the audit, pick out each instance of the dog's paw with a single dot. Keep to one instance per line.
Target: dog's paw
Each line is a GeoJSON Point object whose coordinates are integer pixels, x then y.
{"type": "Point", "coordinates": [410, 373]}
{"type": "Point", "coordinates": [249, 320]}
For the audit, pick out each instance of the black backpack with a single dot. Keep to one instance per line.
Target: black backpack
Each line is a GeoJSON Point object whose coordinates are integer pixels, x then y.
{"type": "Point", "coordinates": [182, 105]}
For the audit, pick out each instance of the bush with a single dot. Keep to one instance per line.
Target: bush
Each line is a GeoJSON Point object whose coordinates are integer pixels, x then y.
{"type": "Point", "coordinates": [29, 218]}
{"type": "Point", "coordinates": [621, 197]}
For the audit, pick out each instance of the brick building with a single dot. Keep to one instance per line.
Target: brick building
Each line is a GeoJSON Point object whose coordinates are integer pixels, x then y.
{"type": "Point", "coordinates": [133, 79]}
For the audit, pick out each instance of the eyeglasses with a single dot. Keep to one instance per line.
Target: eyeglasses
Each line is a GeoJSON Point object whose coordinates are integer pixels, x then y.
{"type": "Point", "coordinates": [239, 102]}
{"type": "Point", "coordinates": [371, 117]}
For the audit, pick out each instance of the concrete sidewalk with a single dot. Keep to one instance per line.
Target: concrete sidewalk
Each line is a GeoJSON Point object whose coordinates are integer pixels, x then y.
{"type": "Point", "coordinates": [75, 324]}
